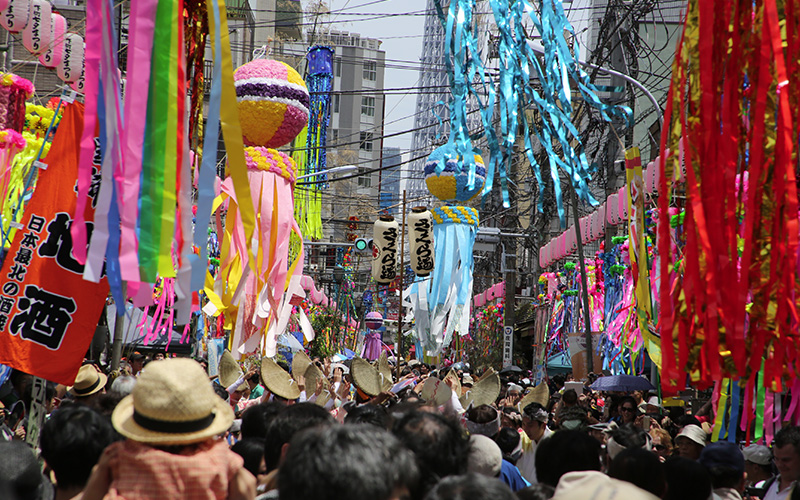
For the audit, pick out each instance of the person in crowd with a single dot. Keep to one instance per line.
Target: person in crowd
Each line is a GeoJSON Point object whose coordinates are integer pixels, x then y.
{"type": "Point", "coordinates": [20, 475]}
{"type": "Point", "coordinates": [510, 443]}
{"type": "Point", "coordinates": [252, 452]}
{"type": "Point", "coordinates": [758, 466]}
{"type": "Point", "coordinates": [172, 421]}
{"type": "Point", "coordinates": [89, 385]}
{"type": "Point", "coordinates": [640, 467]}
{"type": "Point", "coordinates": [369, 414]}
{"type": "Point", "coordinates": [725, 464]}
{"type": "Point", "coordinates": [627, 437]}
{"type": "Point", "coordinates": [786, 453]}
{"type": "Point", "coordinates": [71, 442]}
{"type": "Point", "coordinates": [470, 487]}
{"type": "Point", "coordinates": [662, 442]}
{"type": "Point", "coordinates": [566, 451]}
{"type": "Point", "coordinates": [359, 462]}
{"type": "Point", "coordinates": [254, 383]}
{"type": "Point", "coordinates": [534, 426]}
{"type": "Point", "coordinates": [136, 360]}
{"type": "Point", "coordinates": [123, 385]}
{"type": "Point", "coordinates": [538, 491]}
{"type": "Point", "coordinates": [686, 480]}
{"type": "Point", "coordinates": [628, 410]}
{"type": "Point", "coordinates": [256, 418]}
{"type": "Point", "coordinates": [691, 441]}
{"type": "Point", "coordinates": [440, 445]}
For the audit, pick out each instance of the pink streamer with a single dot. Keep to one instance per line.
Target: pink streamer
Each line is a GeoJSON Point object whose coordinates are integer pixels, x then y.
{"type": "Point", "coordinates": [769, 424]}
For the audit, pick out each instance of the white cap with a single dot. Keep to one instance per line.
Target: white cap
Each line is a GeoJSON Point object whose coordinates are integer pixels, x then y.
{"type": "Point", "coordinates": [594, 484]}
{"type": "Point", "coordinates": [485, 456]}
{"type": "Point", "coordinates": [758, 454]}
{"type": "Point", "coordinates": [694, 433]}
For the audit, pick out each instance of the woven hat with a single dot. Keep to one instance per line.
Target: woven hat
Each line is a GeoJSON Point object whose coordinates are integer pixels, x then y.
{"type": "Point", "coordinates": [467, 379]}
{"type": "Point", "coordinates": [229, 371]}
{"type": "Point", "coordinates": [313, 374]}
{"type": "Point", "coordinates": [366, 377]}
{"type": "Point", "coordinates": [484, 392]}
{"type": "Point", "coordinates": [436, 391]}
{"type": "Point", "coordinates": [386, 372]}
{"type": "Point", "coordinates": [89, 381]}
{"type": "Point", "coordinates": [172, 403]}
{"type": "Point", "coordinates": [277, 380]}
{"type": "Point", "coordinates": [300, 363]}
{"type": "Point", "coordinates": [455, 384]}
{"type": "Point", "coordinates": [539, 394]}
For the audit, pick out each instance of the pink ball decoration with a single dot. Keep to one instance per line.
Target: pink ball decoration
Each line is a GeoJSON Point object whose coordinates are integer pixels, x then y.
{"type": "Point", "coordinates": [273, 102]}
{"type": "Point", "coordinates": [373, 320]}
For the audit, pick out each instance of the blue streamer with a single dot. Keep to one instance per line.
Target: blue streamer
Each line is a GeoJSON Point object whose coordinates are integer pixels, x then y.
{"type": "Point", "coordinates": [734, 418]}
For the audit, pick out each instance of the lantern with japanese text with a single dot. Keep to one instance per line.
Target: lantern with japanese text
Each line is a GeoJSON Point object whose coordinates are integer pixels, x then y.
{"type": "Point", "coordinates": [16, 15]}
{"type": "Point", "coordinates": [54, 51]}
{"type": "Point", "coordinates": [420, 237]}
{"type": "Point", "coordinates": [385, 234]}
{"type": "Point", "coordinates": [71, 66]}
{"type": "Point", "coordinates": [37, 35]}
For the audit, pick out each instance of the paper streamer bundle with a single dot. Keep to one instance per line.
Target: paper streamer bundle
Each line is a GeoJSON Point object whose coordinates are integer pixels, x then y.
{"type": "Point", "coordinates": [734, 304]}
{"type": "Point", "coordinates": [441, 304]}
{"type": "Point", "coordinates": [385, 234]}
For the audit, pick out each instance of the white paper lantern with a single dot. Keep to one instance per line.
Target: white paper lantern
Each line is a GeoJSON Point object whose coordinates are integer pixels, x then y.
{"type": "Point", "coordinates": [71, 66]}
{"type": "Point", "coordinates": [420, 237]}
{"type": "Point", "coordinates": [37, 35]}
{"type": "Point", "coordinates": [54, 51]}
{"type": "Point", "coordinates": [386, 232]}
{"type": "Point", "coordinates": [15, 16]}
{"type": "Point", "coordinates": [585, 232]}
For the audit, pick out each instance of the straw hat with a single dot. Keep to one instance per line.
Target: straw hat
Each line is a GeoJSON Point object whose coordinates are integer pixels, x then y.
{"type": "Point", "coordinates": [312, 375]}
{"type": "Point", "coordinates": [539, 394]}
{"type": "Point", "coordinates": [455, 384]}
{"type": "Point", "coordinates": [484, 392]}
{"type": "Point", "coordinates": [172, 403]}
{"type": "Point", "coordinates": [300, 363]}
{"type": "Point", "coordinates": [229, 371]}
{"type": "Point", "coordinates": [386, 371]}
{"type": "Point", "coordinates": [277, 380]}
{"type": "Point", "coordinates": [366, 377]}
{"type": "Point", "coordinates": [89, 381]}
{"type": "Point", "coordinates": [435, 391]}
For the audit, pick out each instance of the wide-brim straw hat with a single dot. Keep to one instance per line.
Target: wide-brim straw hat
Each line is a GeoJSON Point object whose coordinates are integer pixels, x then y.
{"type": "Point", "coordinates": [89, 381]}
{"type": "Point", "coordinates": [229, 371]}
{"type": "Point", "coordinates": [455, 384]}
{"type": "Point", "coordinates": [313, 373]}
{"type": "Point", "coordinates": [366, 377]}
{"type": "Point", "coordinates": [300, 363]}
{"type": "Point", "coordinates": [277, 380]}
{"type": "Point", "coordinates": [539, 394]}
{"type": "Point", "coordinates": [484, 392]}
{"type": "Point", "coordinates": [386, 371]}
{"type": "Point", "coordinates": [172, 403]}
{"type": "Point", "coordinates": [436, 391]}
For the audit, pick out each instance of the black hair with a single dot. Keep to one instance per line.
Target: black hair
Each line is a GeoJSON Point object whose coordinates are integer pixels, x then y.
{"type": "Point", "coordinates": [221, 392]}
{"type": "Point", "coordinates": [20, 477]}
{"type": "Point", "coordinates": [536, 491]}
{"type": "Point", "coordinates": [685, 420]}
{"type": "Point", "coordinates": [566, 451]}
{"type": "Point", "coordinates": [288, 422]}
{"type": "Point", "coordinates": [570, 397]}
{"type": "Point", "coordinates": [508, 440]}
{"type": "Point", "coordinates": [482, 414]}
{"type": "Point", "coordinates": [641, 468]}
{"type": "Point", "coordinates": [628, 399]}
{"type": "Point", "coordinates": [369, 414]}
{"type": "Point", "coordinates": [470, 487]}
{"type": "Point", "coordinates": [532, 409]}
{"type": "Point", "coordinates": [725, 477]}
{"type": "Point", "coordinates": [72, 440]}
{"type": "Point", "coordinates": [256, 418]}
{"type": "Point", "coordinates": [788, 435]}
{"type": "Point", "coordinates": [686, 480]}
{"type": "Point", "coordinates": [347, 461]}
{"type": "Point", "coordinates": [254, 378]}
{"type": "Point", "coordinates": [252, 451]}
{"type": "Point", "coordinates": [440, 444]}
{"type": "Point", "coordinates": [629, 436]}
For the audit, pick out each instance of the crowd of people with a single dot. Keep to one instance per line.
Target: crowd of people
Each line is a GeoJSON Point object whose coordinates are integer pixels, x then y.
{"type": "Point", "coordinates": [164, 428]}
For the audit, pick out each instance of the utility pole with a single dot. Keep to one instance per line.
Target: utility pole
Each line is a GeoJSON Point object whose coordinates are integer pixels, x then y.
{"type": "Point", "coordinates": [587, 319]}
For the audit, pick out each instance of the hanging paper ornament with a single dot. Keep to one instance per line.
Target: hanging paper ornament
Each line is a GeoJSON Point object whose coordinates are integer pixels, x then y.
{"type": "Point", "coordinates": [542, 257]}
{"type": "Point", "coordinates": [54, 50]}
{"type": "Point", "coordinates": [384, 249]}
{"type": "Point", "coordinates": [78, 85]}
{"type": "Point", "coordinates": [622, 203]}
{"type": "Point", "coordinates": [37, 35]}
{"type": "Point", "coordinates": [612, 210]}
{"type": "Point", "coordinates": [16, 15]}
{"type": "Point", "coordinates": [420, 237]}
{"type": "Point", "coordinates": [373, 320]}
{"type": "Point", "coordinates": [441, 305]}
{"type": "Point", "coordinates": [320, 84]}
{"type": "Point", "coordinates": [584, 224]}
{"type": "Point", "coordinates": [71, 66]}
{"type": "Point", "coordinates": [273, 102]}
{"type": "Point", "coordinates": [447, 175]}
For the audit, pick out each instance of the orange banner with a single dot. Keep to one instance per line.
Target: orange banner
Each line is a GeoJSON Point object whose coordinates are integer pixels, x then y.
{"type": "Point", "coordinates": [48, 313]}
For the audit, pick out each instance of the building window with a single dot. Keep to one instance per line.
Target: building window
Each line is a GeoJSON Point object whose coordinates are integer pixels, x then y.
{"type": "Point", "coordinates": [339, 66]}
{"type": "Point", "coordinates": [368, 106]}
{"type": "Point", "coordinates": [370, 70]}
{"type": "Point", "coordinates": [366, 141]}
{"type": "Point", "coordinates": [365, 180]}
{"type": "Point", "coordinates": [336, 103]}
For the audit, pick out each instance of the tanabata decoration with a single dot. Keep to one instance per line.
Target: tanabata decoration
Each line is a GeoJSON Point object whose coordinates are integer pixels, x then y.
{"type": "Point", "coordinates": [273, 108]}
{"type": "Point", "coordinates": [385, 234]}
{"type": "Point", "coordinates": [372, 343]}
{"type": "Point", "coordinates": [15, 15]}
{"type": "Point", "coordinates": [729, 306]}
{"type": "Point", "coordinates": [36, 36]}
{"type": "Point", "coordinates": [54, 51]}
{"type": "Point", "coordinates": [420, 238]}
{"type": "Point", "coordinates": [14, 91]}
{"type": "Point", "coordinates": [448, 176]}
{"type": "Point", "coordinates": [441, 304]}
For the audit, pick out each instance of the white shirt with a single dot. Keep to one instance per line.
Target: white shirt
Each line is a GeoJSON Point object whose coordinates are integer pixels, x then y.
{"type": "Point", "coordinates": [527, 462]}
{"type": "Point", "coordinates": [774, 494]}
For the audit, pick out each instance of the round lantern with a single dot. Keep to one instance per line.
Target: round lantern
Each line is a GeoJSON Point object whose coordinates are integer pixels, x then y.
{"type": "Point", "coordinates": [15, 16]}
{"type": "Point", "coordinates": [452, 183]}
{"type": "Point", "coordinates": [585, 229]}
{"type": "Point", "coordinates": [373, 320]}
{"type": "Point", "coordinates": [612, 210]}
{"type": "Point", "coordinates": [384, 249]}
{"type": "Point", "coordinates": [54, 50]}
{"type": "Point", "coordinates": [562, 246]}
{"type": "Point", "coordinates": [420, 237]}
{"type": "Point", "coordinates": [273, 102]}
{"type": "Point", "coordinates": [71, 66]}
{"type": "Point", "coordinates": [622, 199]}
{"type": "Point", "coordinates": [37, 35]}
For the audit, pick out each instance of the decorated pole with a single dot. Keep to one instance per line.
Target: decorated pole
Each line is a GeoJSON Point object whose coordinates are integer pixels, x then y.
{"type": "Point", "coordinates": [587, 319]}
{"type": "Point", "coordinates": [400, 303]}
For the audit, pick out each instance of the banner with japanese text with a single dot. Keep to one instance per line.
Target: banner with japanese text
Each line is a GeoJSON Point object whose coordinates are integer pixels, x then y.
{"type": "Point", "coordinates": [48, 313]}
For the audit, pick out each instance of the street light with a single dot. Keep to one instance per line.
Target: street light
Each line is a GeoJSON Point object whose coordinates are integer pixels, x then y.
{"type": "Point", "coordinates": [342, 168]}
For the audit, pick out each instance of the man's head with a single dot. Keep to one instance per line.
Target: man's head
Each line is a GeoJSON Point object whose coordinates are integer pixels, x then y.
{"type": "Point", "coordinates": [256, 418]}
{"type": "Point", "coordinates": [286, 424]}
{"type": "Point", "coordinates": [354, 462]}
{"type": "Point", "coordinates": [483, 420]}
{"type": "Point", "coordinates": [725, 464]}
{"type": "Point", "coordinates": [253, 381]}
{"type": "Point", "coordinates": [570, 397]}
{"type": "Point", "coordinates": [72, 440]}
{"type": "Point", "coordinates": [470, 487]}
{"type": "Point", "coordinates": [566, 451]}
{"type": "Point", "coordinates": [534, 420]}
{"type": "Point", "coordinates": [136, 361]}
{"type": "Point", "coordinates": [786, 451]}
{"type": "Point", "coordinates": [757, 462]}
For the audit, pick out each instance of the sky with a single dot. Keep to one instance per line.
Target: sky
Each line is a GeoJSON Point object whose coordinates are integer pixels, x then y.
{"type": "Point", "coordinates": [402, 41]}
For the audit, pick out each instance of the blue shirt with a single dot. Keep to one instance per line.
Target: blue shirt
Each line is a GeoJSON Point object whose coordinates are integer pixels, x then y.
{"type": "Point", "coordinates": [510, 475]}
